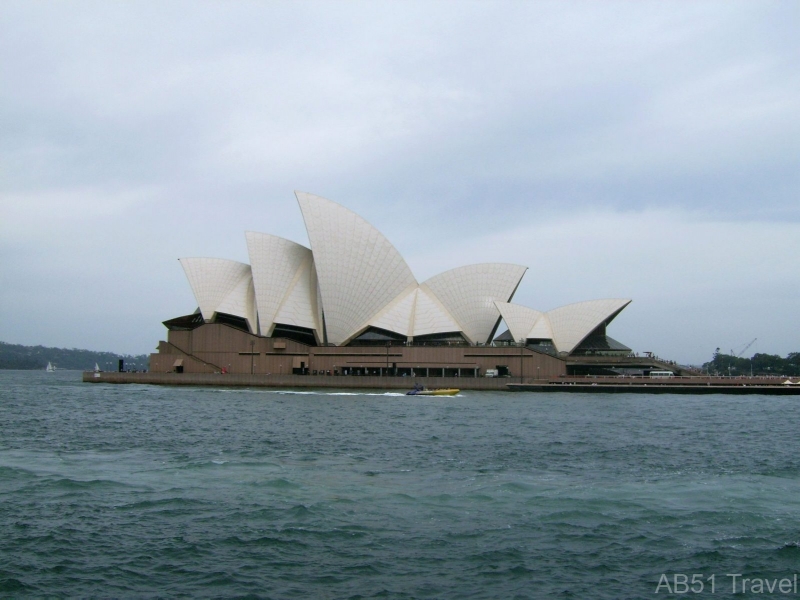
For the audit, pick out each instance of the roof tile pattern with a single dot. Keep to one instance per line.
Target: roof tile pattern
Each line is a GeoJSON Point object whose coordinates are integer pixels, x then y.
{"type": "Point", "coordinates": [567, 326]}
{"type": "Point", "coordinates": [541, 330]}
{"type": "Point", "coordinates": [397, 316]}
{"type": "Point", "coordinates": [299, 306]}
{"type": "Point", "coordinates": [520, 319]}
{"type": "Point", "coordinates": [572, 323]}
{"type": "Point", "coordinates": [469, 293]}
{"type": "Point", "coordinates": [276, 264]}
{"type": "Point", "coordinates": [241, 302]}
{"type": "Point", "coordinates": [358, 269]}
{"type": "Point", "coordinates": [219, 283]}
{"type": "Point", "coordinates": [355, 278]}
{"type": "Point", "coordinates": [431, 317]}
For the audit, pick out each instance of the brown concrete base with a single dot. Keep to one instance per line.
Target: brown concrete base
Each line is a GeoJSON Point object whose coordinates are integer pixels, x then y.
{"type": "Point", "coordinates": [676, 385]}
{"type": "Point", "coordinates": [666, 385]}
{"type": "Point", "coordinates": [298, 381]}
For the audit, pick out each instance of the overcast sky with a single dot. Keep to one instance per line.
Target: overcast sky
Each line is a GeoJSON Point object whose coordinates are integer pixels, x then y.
{"type": "Point", "coordinates": [645, 150]}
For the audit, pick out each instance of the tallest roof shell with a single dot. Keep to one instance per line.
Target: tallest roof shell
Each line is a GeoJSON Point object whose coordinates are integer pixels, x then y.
{"type": "Point", "coordinates": [359, 271]}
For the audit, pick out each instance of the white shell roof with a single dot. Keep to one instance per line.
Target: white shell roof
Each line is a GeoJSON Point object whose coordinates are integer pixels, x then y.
{"type": "Point", "coordinates": [221, 285]}
{"type": "Point", "coordinates": [282, 276]}
{"type": "Point", "coordinates": [416, 312]}
{"type": "Point", "coordinates": [359, 271]}
{"type": "Point", "coordinates": [399, 314]}
{"type": "Point", "coordinates": [521, 320]}
{"type": "Point", "coordinates": [469, 293]}
{"type": "Point", "coordinates": [572, 323]}
{"type": "Point", "coordinates": [299, 308]}
{"type": "Point", "coordinates": [358, 279]}
{"type": "Point", "coordinates": [318, 301]}
{"type": "Point", "coordinates": [241, 302]}
{"type": "Point", "coordinates": [541, 330]}
{"type": "Point", "coordinates": [431, 317]}
{"type": "Point", "coordinates": [567, 326]}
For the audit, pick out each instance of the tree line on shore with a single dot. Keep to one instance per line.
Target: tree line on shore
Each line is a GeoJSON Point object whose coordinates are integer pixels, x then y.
{"type": "Point", "coordinates": [758, 364]}
{"type": "Point", "coordinates": [16, 356]}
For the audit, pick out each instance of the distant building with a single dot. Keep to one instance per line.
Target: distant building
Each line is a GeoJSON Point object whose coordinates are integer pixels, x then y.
{"type": "Point", "coordinates": [352, 289]}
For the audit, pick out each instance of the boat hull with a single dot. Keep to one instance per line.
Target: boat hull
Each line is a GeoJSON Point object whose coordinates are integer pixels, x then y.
{"type": "Point", "coordinates": [442, 392]}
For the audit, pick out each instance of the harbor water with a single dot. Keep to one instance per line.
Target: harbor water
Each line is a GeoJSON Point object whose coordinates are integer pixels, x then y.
{"type": "Point", "coordinates": [122, 491]}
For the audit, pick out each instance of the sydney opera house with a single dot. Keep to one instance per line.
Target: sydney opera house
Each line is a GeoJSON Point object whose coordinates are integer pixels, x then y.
{"type": "Point", "coordinates": [350, 305]}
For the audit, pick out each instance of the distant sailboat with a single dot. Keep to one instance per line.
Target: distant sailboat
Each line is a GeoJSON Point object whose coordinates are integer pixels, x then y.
{"type": "Point", "coordinates": [50, 368]}
{"type": "Point", "coordinates": [96, 368]}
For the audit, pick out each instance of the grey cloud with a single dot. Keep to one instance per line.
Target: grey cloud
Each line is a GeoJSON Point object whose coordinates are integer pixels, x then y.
{"type": "Point", "coordinates": [166, 130]}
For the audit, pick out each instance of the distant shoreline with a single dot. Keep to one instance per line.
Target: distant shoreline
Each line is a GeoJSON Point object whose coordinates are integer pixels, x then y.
{"type": "Point", "coordinates": [32, 358]}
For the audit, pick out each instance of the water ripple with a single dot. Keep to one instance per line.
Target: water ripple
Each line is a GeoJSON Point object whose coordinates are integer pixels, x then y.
{"type": "Point", "coordinates": [144, 491]}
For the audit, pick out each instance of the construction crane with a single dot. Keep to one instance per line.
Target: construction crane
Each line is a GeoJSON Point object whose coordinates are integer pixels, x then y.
{"type": "Point", "coordinates": [743, 350]}
{"type": "Point", "coordinates": [739, 354]}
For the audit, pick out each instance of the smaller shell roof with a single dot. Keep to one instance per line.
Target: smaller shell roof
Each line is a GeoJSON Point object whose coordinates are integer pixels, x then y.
{"type": "Point", "coordinates": [221, 285]}
{"type": "Point", "coordinates": [469, 293]}
{"type": "Point", "coordinates": [525, 323]}
{"type": "Point", "coordinates": [431, 317]}
{"type": "Point", "coordinates": [415, 312]}
{"type": "Point", "coordinates": [398, 314]}
{"type": "Point", "coordinates": [298, 307]}
{"type": "Point", "coordinates": [280, 267]}
{"type": "Point", "coordinates": [567, 326]}
{"type": "Point", "coordinates": [572, 323]}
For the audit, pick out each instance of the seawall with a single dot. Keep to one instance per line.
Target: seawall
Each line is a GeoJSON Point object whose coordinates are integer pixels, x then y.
{"type": "Point", "coordinates": [619, 385]}
{"type": "Point", "coordinates": [297, 381]}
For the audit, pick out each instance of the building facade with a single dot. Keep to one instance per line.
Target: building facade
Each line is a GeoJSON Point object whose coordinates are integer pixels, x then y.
{"type": "Point", "coordinates": [350, 305]}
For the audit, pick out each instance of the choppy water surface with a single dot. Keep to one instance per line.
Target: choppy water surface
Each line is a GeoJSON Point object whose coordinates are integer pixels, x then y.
{"type": "Point", "coordinates": [143, 491]}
